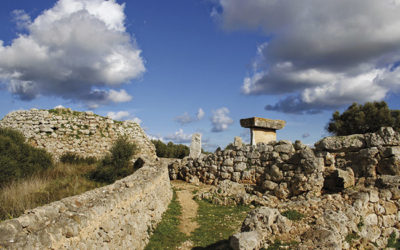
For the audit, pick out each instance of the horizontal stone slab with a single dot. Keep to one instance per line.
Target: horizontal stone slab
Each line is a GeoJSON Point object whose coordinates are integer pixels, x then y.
{"type": "Point", "coordinates": [257, 122]}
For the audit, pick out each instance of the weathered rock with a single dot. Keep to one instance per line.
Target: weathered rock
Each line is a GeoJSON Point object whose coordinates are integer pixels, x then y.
{"type": "Point", "coordinates": [347, 177]}
{"type": "Point", "coordinates": [195, 146]}
{"type": "Point", "coordinates": [342, 143]}
{"type": "Point", "coordinates": [262, 123]}
{"type": "Point", "coordinates": [386, 136]}
{"type": "Point", "coordinates": [238, 142]}
{"type": "Point", "coordinates": [389, 166]}
{"type": "Point", "coordinates": [245, 241]}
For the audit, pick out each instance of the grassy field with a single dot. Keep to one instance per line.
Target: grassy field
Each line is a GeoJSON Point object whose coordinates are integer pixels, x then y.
{"type": "Point", "coordinates": [50, 185]}
{"type": "Point", "coordinates": [217, 223]}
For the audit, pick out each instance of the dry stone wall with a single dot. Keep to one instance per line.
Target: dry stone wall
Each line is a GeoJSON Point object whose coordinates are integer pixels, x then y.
{"type": "Point", "coordinates": [281, 168]}
{"type": "Point", "coordinates": [286, 169]}
{"type": "Point", "coordinates": [118, 216]}
{"type": "Point", "coordinates": [84, 133]}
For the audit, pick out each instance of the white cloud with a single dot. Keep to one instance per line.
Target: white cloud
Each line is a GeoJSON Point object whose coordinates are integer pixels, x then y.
{"type": "Point", "coordinates": [186, 118]}
{"type": "Point", "coordinates": [321, 54]}
{"type": "Point", "coordinates": [59, 107]}
{"type": "Point", "coordinates": [200, 114]}
{"type": "Point", "coordinates": [123, 115]}
{"type": "Point", "coordinates": [136, 120]}
{"type": "Point", "coordinates": [118, 115]}
{"type": "Point", "coordinates": [220, 120]}
{"type": "Point", "coordinates": [21, 18]}
{"type": "Point", "coordinates": [118, 96]}
{"type": "Point", "coordinates": [179, 137]}
{"type": "Point", "coordinates": [77, 50]}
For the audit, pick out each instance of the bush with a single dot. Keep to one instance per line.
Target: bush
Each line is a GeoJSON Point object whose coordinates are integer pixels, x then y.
{"type": "Point", "coordinates": [75, 159]}
{"type": "Point", "coordinates": [293, 214]}
{"type": "Point", "coordinates": [19, 159]}
{"type": "Point", "coordinates": [170, 150]}
{"type": "Point", "coordinates": [116, 165]}
{"type": "Point", "coordinates": [361, 119]}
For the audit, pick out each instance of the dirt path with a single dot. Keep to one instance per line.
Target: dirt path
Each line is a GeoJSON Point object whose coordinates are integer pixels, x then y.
{"type": "Point", "coordinates": [189, 209]}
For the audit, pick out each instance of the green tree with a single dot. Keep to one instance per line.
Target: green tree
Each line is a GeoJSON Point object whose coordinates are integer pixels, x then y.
{"type": "Point", "coordinates": [367, 118]}
{"type": "Point", "coordinates": [170, 150]}
{"type": "Point", "coordinates": [117, 164]}
{"type": "Point", "coordinates": [19, 159]}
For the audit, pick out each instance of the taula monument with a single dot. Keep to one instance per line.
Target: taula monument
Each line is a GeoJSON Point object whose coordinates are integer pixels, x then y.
{"type": "Point", "coordinates": [261, 129]}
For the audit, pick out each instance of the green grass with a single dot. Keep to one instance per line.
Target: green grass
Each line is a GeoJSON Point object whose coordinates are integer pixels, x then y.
{"type": "Point", "coordinates": [217, 223]}
{"type": "Point", "coordinates": [167, 234]}
{"type": "Point", "coordinates": [351, 236]}
{"type": "Point", "coordinates": [393, 242]}
{"type": "Point", "coordinates": [293, 215]}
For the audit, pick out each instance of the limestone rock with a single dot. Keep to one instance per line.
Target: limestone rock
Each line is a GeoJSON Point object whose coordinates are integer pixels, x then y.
{"type": "Point", "coordinates": [341, 143]}
{"type": "Point", "coordinates": [245, 241]}
{"type": "Point", "coordinates": [238, 142]}
{"type": "Point", "coordinates": [195, 146]}
{"type": "Point", "coordinates": [262, 123]}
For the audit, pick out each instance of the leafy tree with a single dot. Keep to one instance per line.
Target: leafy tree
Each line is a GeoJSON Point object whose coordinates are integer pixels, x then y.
{"type": "Point", "coordinates": [170, 150]}
{"type": "Point", "coordinates": [19, 159]}
{"type": "Point", "coordinates": [367, 118]}
{"type": "Point", "coordinates": [116, 165]}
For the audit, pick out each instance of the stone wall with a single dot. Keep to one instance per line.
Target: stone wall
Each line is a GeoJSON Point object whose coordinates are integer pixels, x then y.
{"type": "Point", "coordinates": [281, 168]}
{"type": "Point", "coordinates": [118, 216]}
{"type": "Point", "coordinates": [285, 169]}
{"type": "Point", "coordinates": [63, 130]}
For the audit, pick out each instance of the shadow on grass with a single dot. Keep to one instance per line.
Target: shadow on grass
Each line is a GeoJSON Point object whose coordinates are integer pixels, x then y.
{"type": "Point", "coordinates": [220, 245]}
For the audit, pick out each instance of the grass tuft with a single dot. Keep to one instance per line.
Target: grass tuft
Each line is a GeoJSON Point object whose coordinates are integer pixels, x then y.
{"type": "Point", "coordinates": [293, 215]}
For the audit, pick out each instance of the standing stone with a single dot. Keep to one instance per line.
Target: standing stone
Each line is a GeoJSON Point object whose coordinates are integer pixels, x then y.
{"type": "Point", "coordinates": [261, 129]}
{"type": "Point", "coordinates": [237, 142]}
{"type": "Point", "coordinates": [195, 146]}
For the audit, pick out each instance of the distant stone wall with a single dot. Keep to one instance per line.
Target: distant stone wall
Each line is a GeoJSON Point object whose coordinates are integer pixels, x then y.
{"type": "Point", "coordinates": [280, 168]}
{"type": "Point", "coordinates": [118, 216]}
{"type": "Point", "coordinates": [285, 169]}
{"type": "Point", "coordinates": [63, 130]}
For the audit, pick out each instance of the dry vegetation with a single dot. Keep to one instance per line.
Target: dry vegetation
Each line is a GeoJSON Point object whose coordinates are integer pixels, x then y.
{"type": "Point", "coordinates": [50, 185]}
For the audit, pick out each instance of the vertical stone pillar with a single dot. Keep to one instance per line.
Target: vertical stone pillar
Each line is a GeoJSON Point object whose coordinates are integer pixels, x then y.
{"type": "Point", "coordinates": [195, 146]}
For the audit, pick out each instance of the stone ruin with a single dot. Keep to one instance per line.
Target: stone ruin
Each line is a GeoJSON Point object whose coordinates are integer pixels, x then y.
{"type": "Point", "coordinates": [347, 186]}
{"type": "Point", "coordinates": [63, 130]}
{"type": "Point", "coordinates": [262, 130]}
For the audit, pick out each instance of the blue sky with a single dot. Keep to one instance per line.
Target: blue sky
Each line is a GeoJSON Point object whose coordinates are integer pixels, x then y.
{"type": "Point", "coordinates": [160, 62]}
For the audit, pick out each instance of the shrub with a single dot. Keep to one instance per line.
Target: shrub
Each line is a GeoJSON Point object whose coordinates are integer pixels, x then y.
{"type": "Point", "coordinates": [19, 159]}
{"type": "Point", "coordinates": [361, 119]}
{"type": "Point", "coordinates": [293, 215]}
{"type": "Point", "coordinates": [170, 150]}
{"type": "Point", "coordinates": [117, 164]}
{"type": "Point", "coordinates": [73, 158]}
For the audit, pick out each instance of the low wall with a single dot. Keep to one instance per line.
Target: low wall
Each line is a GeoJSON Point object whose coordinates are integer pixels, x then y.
{"type": "Point", "coordinates": [285, 169]}
{"type": "Point", "coordinates": [117, 216]}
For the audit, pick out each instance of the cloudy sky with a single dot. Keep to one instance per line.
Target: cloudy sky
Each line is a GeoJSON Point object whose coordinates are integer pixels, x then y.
{"type": "Point", "coordinates": [185, 66]}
